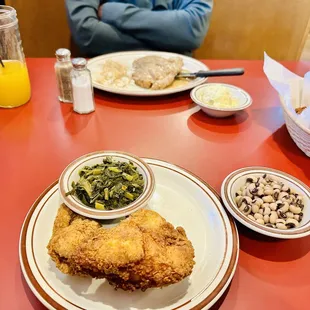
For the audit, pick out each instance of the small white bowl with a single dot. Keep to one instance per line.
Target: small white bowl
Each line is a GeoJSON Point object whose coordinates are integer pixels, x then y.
{"type": "Point", "coordinates": [242, 96]}
{"type": "Point", "coordinates": [71, 173]}
{"type": "Point", "coordinates": [234, 181]}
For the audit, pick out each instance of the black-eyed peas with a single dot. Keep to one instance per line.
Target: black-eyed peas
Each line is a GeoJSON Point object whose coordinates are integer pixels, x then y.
{"type": "Point", "coordinates": [269, 202]}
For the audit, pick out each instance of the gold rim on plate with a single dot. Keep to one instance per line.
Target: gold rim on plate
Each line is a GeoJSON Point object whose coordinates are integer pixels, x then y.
{"type": "Point", "coordinates": [208, 301]}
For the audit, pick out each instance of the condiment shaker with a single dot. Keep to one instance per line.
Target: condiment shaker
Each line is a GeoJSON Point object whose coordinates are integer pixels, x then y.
{"type": "Point", "coordinates": [83, 93]}
{"type": "Point", "coordinates": [63, 69]}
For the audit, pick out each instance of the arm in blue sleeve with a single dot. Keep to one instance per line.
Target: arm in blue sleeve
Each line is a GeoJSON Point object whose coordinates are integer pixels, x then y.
{"type": "Point", "coordinates": [94, 36]}
{"type": "Point", "coordinates": [181, 29]}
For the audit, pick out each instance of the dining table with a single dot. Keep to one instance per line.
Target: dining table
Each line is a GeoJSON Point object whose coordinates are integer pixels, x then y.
{"type": "Point", "coordinates": [39, 139]}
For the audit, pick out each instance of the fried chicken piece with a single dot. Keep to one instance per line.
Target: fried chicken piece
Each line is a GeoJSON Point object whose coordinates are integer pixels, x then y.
{"type": "Point", "coordinates": [143, 251]}
{"type": "Point", "coordinates": [69, 231]}
{"type": "Point", "coordinates": [110, 249]}
{"type": "Point", "coordinates": [156, 72]}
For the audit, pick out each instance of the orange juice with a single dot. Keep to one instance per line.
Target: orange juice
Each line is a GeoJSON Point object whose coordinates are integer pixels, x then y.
{"type": "Point", "coordinates": [14, 84]}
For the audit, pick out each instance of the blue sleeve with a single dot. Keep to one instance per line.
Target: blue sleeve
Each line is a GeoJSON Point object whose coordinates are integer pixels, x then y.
{"type": "Point", "coordinates": [181, 29]}
{"type": "Point", "coordinates": [94, 36]}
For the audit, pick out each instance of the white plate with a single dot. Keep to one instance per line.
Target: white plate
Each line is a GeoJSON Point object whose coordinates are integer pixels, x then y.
{"type": "Point", "coordinates": [236, 179]}
{"type": "Point", "coordinates": [182, 199]}
{"type": "Point", "coordinates": [127, 58]}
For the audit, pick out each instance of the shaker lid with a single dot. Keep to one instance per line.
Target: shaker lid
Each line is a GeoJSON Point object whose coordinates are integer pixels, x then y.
{"type": "Point", "coordinates": [62, 54]}
{"type": "Point", "coordinates": [79, 63]}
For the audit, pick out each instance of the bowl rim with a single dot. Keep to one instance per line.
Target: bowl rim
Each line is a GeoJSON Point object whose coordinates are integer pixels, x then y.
{"type": "Point", "coordinates": [203, 105]}
{"type": "Point", "coordinates": [302, 231]}
{"type": "Point", "coordinates": [82, 209]}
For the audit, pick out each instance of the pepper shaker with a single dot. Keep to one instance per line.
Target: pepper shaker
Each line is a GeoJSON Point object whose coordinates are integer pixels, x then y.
{"type": "Point", "coordinates": [63, 69]}
{"type": "Point", "coordinates": [83, 94]}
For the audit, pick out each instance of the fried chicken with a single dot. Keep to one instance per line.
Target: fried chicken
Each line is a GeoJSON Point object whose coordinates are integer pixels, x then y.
{"type": "Point", "coordinates": [143, 251]}
{"type": "Point", "coordinates": [69, 231]}
{"type": "Point", "coordinates": [156, 72]}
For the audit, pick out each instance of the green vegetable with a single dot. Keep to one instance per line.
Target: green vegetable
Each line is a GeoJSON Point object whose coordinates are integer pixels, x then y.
{"type": "Point", "coordinates": [129, 196]}
{"type": "Point", "coordinates": [114, 169]}
{"type": "Point", "coordinates": [106, 194]}
{"type": "Point", "coordinates": [86, 185]}
{"type": "Point", "coordinates": [107, 186]}
{"type": "Point", "coordinates": [127, 176]}
{"type": "Point", "coordinates": [99, 206]}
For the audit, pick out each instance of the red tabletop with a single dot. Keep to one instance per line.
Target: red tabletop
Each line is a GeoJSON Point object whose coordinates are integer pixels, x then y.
{"type": "Point", "coordinates": [39, 139]}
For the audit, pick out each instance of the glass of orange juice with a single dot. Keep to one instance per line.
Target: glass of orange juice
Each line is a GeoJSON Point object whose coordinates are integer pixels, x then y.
{"type": "Point", "coordinates": [14, 80]}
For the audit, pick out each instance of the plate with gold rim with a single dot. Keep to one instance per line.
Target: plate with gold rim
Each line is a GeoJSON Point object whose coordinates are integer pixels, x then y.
{"type": "Point", "coordinates": [182, 199]}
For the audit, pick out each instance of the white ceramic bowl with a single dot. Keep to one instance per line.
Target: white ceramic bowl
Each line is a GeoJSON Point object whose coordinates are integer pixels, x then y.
{"type": "Point", "coordinates": [244, 100]}
{"type": "Point", "coordinates": [234, 181]}
{"type": "Point", "coordinates": [71, 173]}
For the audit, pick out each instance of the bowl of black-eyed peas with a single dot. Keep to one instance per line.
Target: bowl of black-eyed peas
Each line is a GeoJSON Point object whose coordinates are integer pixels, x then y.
{"type": "Point", "coordinates": [268, 201]}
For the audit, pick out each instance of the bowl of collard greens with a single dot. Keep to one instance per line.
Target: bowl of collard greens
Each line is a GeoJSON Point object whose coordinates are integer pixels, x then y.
{"type": "Point", "coordinates": [106, 185]}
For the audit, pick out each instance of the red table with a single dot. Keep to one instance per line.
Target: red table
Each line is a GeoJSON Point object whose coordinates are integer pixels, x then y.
{"type": "Point", "coordinates": [39, 139]}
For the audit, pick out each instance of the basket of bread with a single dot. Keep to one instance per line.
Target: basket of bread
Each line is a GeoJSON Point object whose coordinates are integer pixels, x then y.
{"type": "Point", "coordinates": [294, 92]}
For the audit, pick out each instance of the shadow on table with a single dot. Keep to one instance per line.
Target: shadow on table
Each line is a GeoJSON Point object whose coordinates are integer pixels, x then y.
{"type": "Point", "coordinates": [268, 117]}
{"type": "Point", "coordinates": [35, 303]}
{"type": "Point", "coordinates": [272, 249]}
{"type": "Point", "coordinates": [175, 102]}
{"type": "Point", "coordinates": [284, 141]}
{"type": "Point", "coordinates": [60, 112]}
{"type": "Point", "coordinates": [75, 123]}
{"type": "Point", "coordinates": [203, 125]}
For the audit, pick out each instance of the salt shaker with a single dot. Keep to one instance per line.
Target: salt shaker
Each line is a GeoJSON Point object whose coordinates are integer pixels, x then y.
{"type": "Point", "coordinates": [63, 69]}
{"type": "Point", "coordinates": [83, 94]}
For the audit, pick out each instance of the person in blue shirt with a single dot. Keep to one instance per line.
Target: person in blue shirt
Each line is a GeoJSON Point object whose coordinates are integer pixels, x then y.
{"type": "Point", "coordinates": [100, 27]}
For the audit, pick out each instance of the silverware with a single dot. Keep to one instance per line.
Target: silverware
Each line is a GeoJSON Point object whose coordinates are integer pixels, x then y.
{"type": "Point", "coordinates": [221, 72]}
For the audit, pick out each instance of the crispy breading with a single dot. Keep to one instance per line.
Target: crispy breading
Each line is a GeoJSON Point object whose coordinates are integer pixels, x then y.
{"type": "Point", "coordinates": [143, 251]}
{"type": "Point", "coordinates": [168, 255]}
{"type": "Point", "coordinates": [110, 249]}
{"type": "Point", "coordinates": [69, 231]}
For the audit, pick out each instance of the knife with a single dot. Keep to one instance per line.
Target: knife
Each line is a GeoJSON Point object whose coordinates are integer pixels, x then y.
{"type": "Point", "coordinates": [221, 72]}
